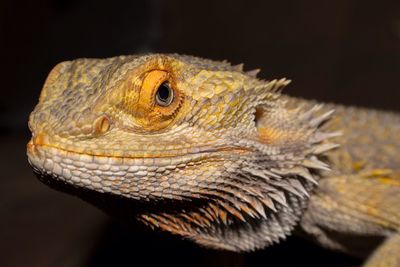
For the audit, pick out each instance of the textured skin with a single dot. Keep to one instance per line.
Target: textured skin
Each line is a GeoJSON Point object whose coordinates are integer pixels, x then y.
{"type": "Point", "coordinates": [230, 163]}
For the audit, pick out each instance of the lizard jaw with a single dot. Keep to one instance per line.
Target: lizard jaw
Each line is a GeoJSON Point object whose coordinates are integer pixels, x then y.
{"type": "Point", "coordinates": [202, 220]}
{"type": "Point", "coordinates": [127, 176]}
{"type": "Point", "coordinates": [194, 214]}
{"type": "Point", "coordinates": [205, 209]}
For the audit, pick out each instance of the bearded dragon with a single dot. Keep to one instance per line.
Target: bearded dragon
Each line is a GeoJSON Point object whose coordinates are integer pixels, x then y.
{"type": "Point", "coordinates": [207, 151]}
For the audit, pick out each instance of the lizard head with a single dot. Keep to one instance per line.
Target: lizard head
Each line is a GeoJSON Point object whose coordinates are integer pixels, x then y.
{"type": "Point", "coordinates": [208, 151]}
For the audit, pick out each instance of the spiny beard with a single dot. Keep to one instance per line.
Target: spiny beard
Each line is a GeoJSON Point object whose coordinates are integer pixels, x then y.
{"type": "Point", "coordinates": [261, 201]}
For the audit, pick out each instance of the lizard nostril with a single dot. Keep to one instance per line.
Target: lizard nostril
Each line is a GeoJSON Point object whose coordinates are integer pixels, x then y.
{"type": "Point", "coordinates": [101, 125]}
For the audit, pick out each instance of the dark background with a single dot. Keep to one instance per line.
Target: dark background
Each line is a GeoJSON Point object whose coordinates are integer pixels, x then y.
{"type": "Point", "coordinates": [343, 51]}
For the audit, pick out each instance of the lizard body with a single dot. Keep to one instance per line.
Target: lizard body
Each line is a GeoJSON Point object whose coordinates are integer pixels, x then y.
{"type": "Point", "coordinates": [207, 151]}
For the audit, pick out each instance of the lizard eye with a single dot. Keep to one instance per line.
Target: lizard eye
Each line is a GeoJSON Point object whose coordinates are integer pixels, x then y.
{"type": "Point", "coordinates": [157, 101]}
{"type": "Point", "coordinates": [164, 95]}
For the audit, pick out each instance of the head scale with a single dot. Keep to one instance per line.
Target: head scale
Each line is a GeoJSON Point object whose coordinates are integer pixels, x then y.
{"type": "Point", "coordinates": [227, 163]}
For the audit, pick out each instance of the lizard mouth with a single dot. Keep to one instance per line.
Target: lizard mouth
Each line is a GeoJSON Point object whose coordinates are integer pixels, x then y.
{"type": "Point", "coordinates": [41, 142]}
{"type": "Point", "coordinates": [120, 175]}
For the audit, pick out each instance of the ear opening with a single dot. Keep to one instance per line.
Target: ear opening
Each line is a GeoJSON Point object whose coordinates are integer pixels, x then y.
{"type": "Point", "coordinates": [265, 133]}
{"type": "Point", "coordinates": [258, 115]}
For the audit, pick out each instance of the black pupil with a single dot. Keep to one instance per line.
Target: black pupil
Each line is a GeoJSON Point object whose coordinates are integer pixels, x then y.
{"type": "Point", "coordinates": [164, 92]}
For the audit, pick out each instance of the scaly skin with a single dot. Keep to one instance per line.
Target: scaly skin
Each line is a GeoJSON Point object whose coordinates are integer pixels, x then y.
{"type": "Point", "coordinates": [226, 160]}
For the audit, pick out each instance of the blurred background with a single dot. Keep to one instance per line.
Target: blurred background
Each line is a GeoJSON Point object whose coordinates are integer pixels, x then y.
{"type": "Point", "coordinates": [343, 51]}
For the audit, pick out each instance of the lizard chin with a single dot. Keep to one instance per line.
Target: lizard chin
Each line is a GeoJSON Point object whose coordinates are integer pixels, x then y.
{"type": "Point", "coordinates": [227, 226]}
{"type": "Point", "coordinates": [238, 211]}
